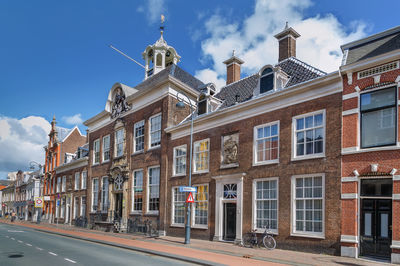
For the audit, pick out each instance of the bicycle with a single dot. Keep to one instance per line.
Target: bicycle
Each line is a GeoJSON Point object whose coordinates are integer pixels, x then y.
{"type": "Point", "coordinates": [251, 239]}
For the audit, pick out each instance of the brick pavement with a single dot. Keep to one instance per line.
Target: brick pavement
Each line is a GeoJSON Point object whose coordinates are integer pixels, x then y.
{"type": "Point", "coordinates": [198, 251]}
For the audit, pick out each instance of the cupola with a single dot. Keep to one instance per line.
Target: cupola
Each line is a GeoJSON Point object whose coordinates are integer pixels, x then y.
{"type": "Point", "coordinates": [158, 56]}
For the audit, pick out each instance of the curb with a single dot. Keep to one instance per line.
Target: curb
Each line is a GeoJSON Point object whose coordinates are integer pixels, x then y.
{"type": "Point", "coordinates": [142, 250]}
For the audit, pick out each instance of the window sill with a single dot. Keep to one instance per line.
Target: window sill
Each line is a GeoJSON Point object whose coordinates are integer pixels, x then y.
{"type": "Point", "coordinates": [177, 225]}
{"type": "Point", "coordinates": [154, 148]}
{"type": "Point", "coordinates": [104, 162]}
{"type": "Point", "coordinates": [152, 213]}
{"type": "Point", "coordinates": [308, 157]}
{"type": "Point", "coordinates": [118, 157]}
{"type": "Point", "coordinates": [232, 165]}
{"type": "Point", "coordinates": [271, 231]}
{"type": "Point", "coordinates": [317, 236]}
{"type": "Point", "coordinates": [178, 175]}
{"type": "Point", "coordinates": [204, 227]}
{"type": "Point", "coordinates": [354, 150]}
{"type": "Point", "coordinates": [266, 162]}
{"type": "Point", "coordinates": [135, 213]}
{"type": "Point", "coordinates": [200, 173]}
{"type": "Point", "coordinates": [95, 164]}
{"type": "Point", "coordinates": [137, 152]}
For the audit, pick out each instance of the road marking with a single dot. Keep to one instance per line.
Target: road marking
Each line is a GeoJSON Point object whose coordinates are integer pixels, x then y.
{"type": "Point", "coordinates": [20, 241]}
{"type": "Point", "coordinates": [69, 260]}
{"type": "Point", "coordinates": [28, 244]}
{"type": "Point", "coordinates": [39, 248]}
{"type": "Point", "coordinates": [12, 238]}
{"type": "Point", "coordinates": [7, 236]}
{"type": "Point", "coordinates": [54, 254]}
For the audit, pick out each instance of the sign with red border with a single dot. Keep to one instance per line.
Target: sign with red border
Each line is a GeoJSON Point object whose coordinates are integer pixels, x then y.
{"type": "Point", "coordinates": [190, 198]}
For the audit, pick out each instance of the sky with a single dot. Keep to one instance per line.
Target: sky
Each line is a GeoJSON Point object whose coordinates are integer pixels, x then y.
{"type": "Point", "coordinates": [55, 59]}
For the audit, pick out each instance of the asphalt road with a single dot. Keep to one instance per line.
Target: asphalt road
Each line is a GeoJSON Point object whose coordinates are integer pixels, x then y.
{"type": "Point", "coordinates": [24, 246]}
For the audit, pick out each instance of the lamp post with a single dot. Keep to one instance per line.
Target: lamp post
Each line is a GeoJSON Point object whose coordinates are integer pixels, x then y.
{"type": "Point", "coordinates": [180, 104]}
{"type": "Point", "coordinates": [32, 167]}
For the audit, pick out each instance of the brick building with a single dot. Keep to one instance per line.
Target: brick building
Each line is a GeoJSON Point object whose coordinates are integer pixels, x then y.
{"type": "Point", "coordinates": [62, 144]}
{"type": "Point", "coordinates": [371, 147]}
{"type": "Point", "coordinates": [128, 146]}
{"type": "Point", "coordinates": [267, 155]}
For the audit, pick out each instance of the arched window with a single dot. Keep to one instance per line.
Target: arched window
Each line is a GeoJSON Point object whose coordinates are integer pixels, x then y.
{"type": "Point", "coordinates": [159, 59]}
{"type": "Point", "coordinates": [267, 80]}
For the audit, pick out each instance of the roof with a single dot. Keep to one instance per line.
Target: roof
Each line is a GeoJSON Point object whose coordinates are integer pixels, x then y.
{"type": "Point", "coordinates": [173, 71]}
{"type": "Point", "coordinates": [242, 90]}
{"type": "Point", "coordinates": [374, 45]}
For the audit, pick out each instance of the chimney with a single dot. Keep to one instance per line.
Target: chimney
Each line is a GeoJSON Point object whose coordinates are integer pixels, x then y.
{"type": "Point", "coordinates": [287, 42]}
{"type": "Point", "coordinates": [233, 68]}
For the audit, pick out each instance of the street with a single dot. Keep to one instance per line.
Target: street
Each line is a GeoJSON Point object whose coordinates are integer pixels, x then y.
{"type": "Point", "coordinates": [24, 246]}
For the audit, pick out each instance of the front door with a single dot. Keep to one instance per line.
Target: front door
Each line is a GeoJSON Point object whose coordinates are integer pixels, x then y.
{"type": "Point", "coordinates": [376, 227]}
{"type": "Point", "coordinates": [229, 221]}
{"type": "Point", "coordinates": [118, 206]}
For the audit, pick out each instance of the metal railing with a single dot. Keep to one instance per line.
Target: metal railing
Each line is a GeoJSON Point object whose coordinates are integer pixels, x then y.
{"type": "Point", "coordinates": [147, 227]}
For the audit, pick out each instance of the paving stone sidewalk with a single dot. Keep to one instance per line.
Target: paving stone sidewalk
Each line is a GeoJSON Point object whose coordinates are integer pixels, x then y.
{"type": "Point", "coordinates": [198, 251]}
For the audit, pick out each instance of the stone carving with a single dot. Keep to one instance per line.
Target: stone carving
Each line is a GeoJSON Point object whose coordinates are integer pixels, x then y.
{"type": "Point", "coordinates": [118, 183]}
{"type": "Point", "coordinates": [230, 149]}
{"type": "Point", "coordinates": [119, 105]}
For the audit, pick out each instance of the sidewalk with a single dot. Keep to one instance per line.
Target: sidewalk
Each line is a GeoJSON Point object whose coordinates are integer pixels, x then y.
{"type": "Point", "coordinates": [198, 251]}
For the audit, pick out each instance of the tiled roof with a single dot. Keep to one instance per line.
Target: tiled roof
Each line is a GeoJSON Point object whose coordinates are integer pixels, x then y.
{"type": "Point", "coordinates": [174, 71]}
{"type": "Point", "coordinates": [242, 90]}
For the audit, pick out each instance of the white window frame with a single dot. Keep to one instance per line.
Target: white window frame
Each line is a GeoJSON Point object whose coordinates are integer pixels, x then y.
{"type": "Point", "coordinates": [148, 190]}
{"type": "Point", "coordinates": [62, 205]}
{"type": "Point", "coordinates": [116, 143]}
{"type": "Point", "coordinates": [133, 191]}
{"type": "Point", "coordinates": [64, 184]}
{"type": "Point", "coordinates": [150, 131]}
{"type": "Point", "coordinates": [135, 137]}
{"type": "Point", "coordinates": [84, 180]}
{"type": "Point", "coordinates": [255, 159]}
{"type": "Point", "coordinates": [106, 149]}
{"type": "Point", "coordinates": [96, 143]}
{"type": "Point", "coordinates": [76, 203]}
{"type": "Point", "coordinates": [254, 204]}
{"type": "Point", "coordinates": [293, 231]}
{"type": "Point", "coordinates": [103, 202]}
{"type": "Point", "coordinates": [195, 171]}
{"type": "Point", "coordinates": [77, 182]}
{"type": "Point", "coordinates": [182, 156]}
{"type": "Point", "coordinates": [173, 208]}
{"type": "Point", "coordinates": [93, 193]}
{"type": "Point", "coordinates": [294, 141]}
{"type": "Point", "coordinates": [193, 220]}
{"type": "Point", "coordinates": [81, 207]}
{"type": "Point", "coordinates": [58, 184]}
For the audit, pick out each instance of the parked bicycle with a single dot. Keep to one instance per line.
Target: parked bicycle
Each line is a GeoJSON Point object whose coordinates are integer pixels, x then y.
{"type": "Point", "coordinates": [252, 240]}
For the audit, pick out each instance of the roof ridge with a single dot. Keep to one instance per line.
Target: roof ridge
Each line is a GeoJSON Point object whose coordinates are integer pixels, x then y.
{"type": "Point", "coordinates": [304, 64]}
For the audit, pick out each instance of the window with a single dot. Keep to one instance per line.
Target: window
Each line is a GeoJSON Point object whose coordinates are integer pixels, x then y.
{"type": "Point", "coordinates": [155, 131]}
{"type": "Point", "coordinates": [83, 206]}
{"type": "Point", "coordinates": [138, 136]}
{"type": "Point", "coordinates": [95, 194]}
{"type": "Point", "coordinates": [308, 205]}
{"type": "Point", "coordinates": [137, 195]}
{"type": "Point", "coordinates": [154, 189]}
{"type": "Point", "coordinates": [201, 156]}
{"type": "Point", "coordinates": [266, 143]}
{"type": "Point", "coordinates": [96, 151]}
{"type": "Point", "coordinates": [265, 208]}
{"type": "Point", "coordinates": [62, 207]}
{"type": "Point", "coordinates": [378, 118]}
{"type": "Point", "coordinates": [76, 207]}
{"type": "Point", "coordinates": [309, 132]}
{"type": "Point", "coordinates": [106, 148]}
{"type": "Point", "coordinates": [84, 177]}
{"type": "Point", "coordinates": [267, 80]}
{"type": "Point", "coordinates": [119, 142]}
{"type": "Point", "coordinates": [64, 184]}
{"type": "Point", "coordinates": [77, 181]}
{"type": "Point", "coordinates": [54, 185]}
{"type": "Point", "coordinates": [201, 206]}
{"type": "Point", "coordinates": [180, 160]}
{"type": "Point", "coordinates": [178, 205]}
{"type": "Point", "coordinates": [104, 194]}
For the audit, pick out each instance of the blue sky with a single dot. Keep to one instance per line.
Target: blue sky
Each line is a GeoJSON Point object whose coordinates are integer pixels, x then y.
{"type": "Point", "coordinates": [55, 59]}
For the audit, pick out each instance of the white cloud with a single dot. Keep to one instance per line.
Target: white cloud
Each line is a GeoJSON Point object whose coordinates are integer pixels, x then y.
{"type": "Point", "coordinates": [73, 120]}
{"type": "Point", "coordinates": [254, 41]}
{"type": "Point", "coordinates": [22, 141]}
{"type": "Point", "coordinates": [153, 10]}
{"type": "Point", "coordinates": [207, 75]}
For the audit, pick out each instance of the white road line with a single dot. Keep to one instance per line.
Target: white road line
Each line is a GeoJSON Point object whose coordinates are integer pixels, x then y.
{"type": "Point", "coordinates": [12, 238]}
{"type": "Point", "coordinates": [69, 260]}
{"type": "Point", "coordinates": [54, 254]}
{"type": "Point", "coordinates": [39, 248]}
{"type": "Point", "coordinates": [20, 241]}
{"type": "Point", "coordinates": [7, 236]}
{"type": "Point", "coordinates": [28, 244]}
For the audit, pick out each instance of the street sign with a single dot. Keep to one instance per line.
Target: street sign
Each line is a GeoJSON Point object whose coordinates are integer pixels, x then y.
{"type": "Point", "coordinates": [190, 198]}
{"type": "Point", "coordinates": [47, 198]}
{"type": "Point", "coordinates": [38, 202]}
{"type": "Point", "coordinates": [187, 189]}
{"type": "Point", "coordinates": [58, 202]}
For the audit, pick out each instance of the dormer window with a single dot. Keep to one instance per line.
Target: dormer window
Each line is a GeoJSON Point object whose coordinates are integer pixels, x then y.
{"type": "Point", "coordinates": [267, 80]}
{"type": "Point", "coordinates": [202, 104]}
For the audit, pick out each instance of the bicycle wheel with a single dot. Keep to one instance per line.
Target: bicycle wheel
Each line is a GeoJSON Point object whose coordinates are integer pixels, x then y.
{"type": "Point", "coordinates": [247, 240]}
{"type": "Point", "coordinates": [269, 242]}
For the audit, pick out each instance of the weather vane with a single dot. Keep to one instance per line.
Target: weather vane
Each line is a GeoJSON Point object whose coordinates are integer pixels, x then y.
{"type": "Point", "coordinates": [162, 24]}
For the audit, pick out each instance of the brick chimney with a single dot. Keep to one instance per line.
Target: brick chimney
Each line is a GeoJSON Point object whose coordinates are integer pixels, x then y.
{"type": "Point", "coordinates": [287, 42]}
{"type": "Point", "coordinates": [233, 68]}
